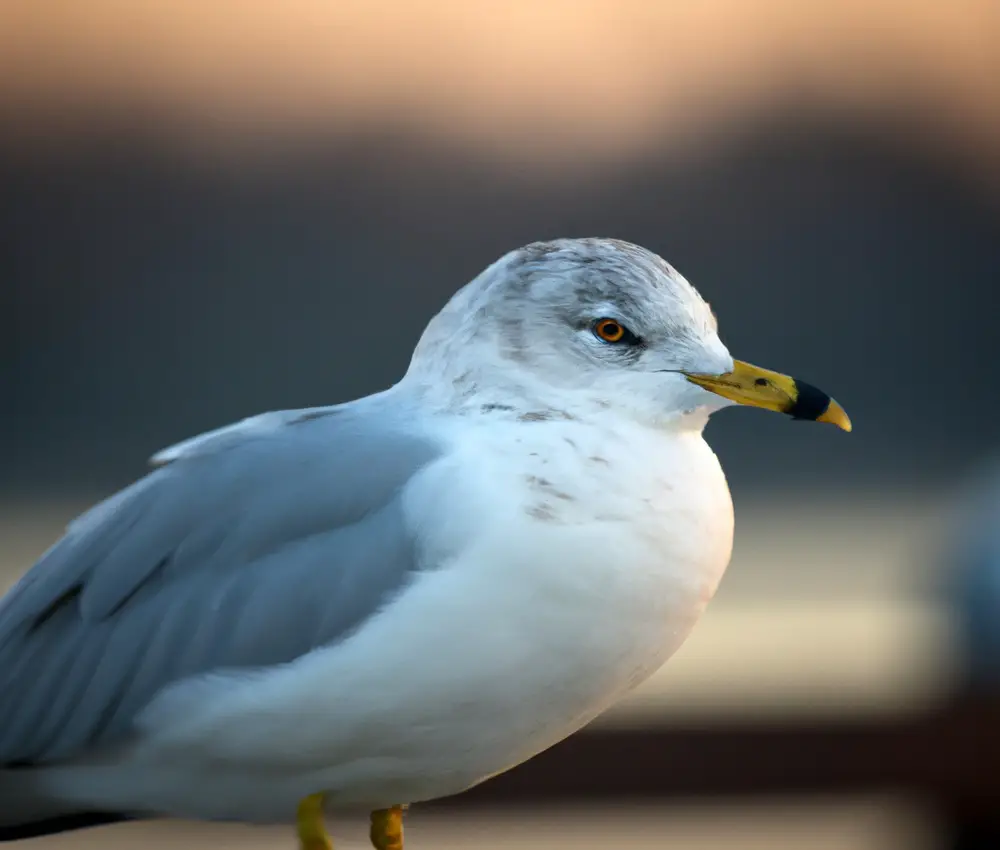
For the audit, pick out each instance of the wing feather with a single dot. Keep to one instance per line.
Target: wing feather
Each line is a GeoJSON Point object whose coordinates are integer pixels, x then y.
{"type": "Point", "coordinates": [245, 548]}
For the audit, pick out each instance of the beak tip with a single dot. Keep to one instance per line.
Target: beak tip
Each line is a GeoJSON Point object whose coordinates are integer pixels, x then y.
{"type": "Point", "coordinates": [836, 415]}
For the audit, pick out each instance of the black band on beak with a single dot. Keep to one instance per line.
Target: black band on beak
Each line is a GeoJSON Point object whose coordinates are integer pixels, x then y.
{"type": "Point", "coordinates": [811, 402]}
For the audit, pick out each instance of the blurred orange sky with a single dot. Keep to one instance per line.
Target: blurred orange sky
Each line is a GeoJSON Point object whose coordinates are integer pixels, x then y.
{"type": "Point", "coordinates": [531, 78]}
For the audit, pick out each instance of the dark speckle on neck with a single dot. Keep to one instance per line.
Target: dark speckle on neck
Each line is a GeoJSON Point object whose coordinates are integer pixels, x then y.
{"type": "Point", "coordinates": [545, 416]}
{"type": "Point", "coordinates": [542, 512]}
{"type": "Point", "coordinates": [545, 486]}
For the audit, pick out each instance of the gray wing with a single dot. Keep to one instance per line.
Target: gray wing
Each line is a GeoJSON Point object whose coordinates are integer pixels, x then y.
{"type": "Point", "coordinates": [250, 547]}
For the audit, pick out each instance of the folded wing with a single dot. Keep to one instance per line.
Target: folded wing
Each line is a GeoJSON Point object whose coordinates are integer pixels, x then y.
{"type": "Point", "coordinates": [244, 549]}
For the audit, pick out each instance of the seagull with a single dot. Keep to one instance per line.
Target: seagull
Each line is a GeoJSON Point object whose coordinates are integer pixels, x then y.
{"type": "Point", "coordinates": [389, 601]}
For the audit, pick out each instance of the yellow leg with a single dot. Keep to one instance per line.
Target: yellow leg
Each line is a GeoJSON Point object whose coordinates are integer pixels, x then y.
{"type": "Point", "coordinates": [387, 828]}
{"type": "Point", "coordinates": [309, 822]}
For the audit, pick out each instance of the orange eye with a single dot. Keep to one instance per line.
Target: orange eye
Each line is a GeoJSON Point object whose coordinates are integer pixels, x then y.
{"type": "Point", "coordinates": [609, 330]}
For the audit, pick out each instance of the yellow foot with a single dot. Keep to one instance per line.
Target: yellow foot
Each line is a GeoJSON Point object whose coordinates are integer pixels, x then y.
{"type": "Point", "coordinates": [387, 829]}
{"type": "Point", "coordinates": [309, 822]}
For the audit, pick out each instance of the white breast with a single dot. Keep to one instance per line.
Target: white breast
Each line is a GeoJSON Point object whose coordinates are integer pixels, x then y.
{"type": "Point", "coordinates": [596, 546]}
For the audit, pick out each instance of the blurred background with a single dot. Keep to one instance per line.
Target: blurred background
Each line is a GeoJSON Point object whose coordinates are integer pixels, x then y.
{"type": "Point", "coordinates": [208, 210]}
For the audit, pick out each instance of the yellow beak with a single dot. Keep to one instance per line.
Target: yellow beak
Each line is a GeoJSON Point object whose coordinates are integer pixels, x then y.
{"type": "Point", "coordinates": [757, 387]}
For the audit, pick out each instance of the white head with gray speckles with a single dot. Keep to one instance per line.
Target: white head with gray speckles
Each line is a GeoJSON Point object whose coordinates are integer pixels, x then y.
{"type": "Point", "coordinates": [527, 334]}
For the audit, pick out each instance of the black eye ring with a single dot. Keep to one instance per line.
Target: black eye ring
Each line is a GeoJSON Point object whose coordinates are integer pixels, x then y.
{"type": "Point", "coordinates": [614, 332]}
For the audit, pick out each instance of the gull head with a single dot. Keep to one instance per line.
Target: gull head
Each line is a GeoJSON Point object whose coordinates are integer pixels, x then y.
{"type": "Point", "coordinates": [596, 324]}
